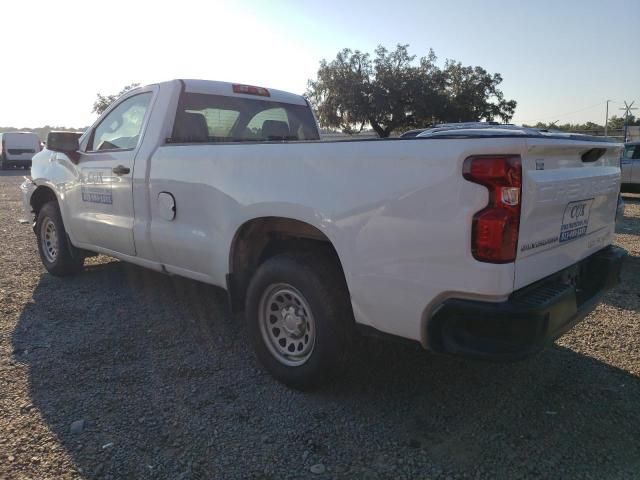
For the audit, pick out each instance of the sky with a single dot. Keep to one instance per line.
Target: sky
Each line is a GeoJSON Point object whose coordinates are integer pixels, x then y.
{"type": "Point", "coordinates": [560, 60]}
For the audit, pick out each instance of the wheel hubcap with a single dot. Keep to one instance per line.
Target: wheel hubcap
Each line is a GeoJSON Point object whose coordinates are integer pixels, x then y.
{"type": "Point", "coordinates": [287, 324]}
{"type": "Point", "coordinates": [49, 235]}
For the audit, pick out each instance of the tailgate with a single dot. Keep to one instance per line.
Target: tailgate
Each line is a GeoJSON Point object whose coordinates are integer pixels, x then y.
{"type": "Point", "coordinates": [569, 198]}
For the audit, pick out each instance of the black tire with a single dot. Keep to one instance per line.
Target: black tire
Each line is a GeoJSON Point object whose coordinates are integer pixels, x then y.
{"type": "Point", "coordinates": [3, 162]}
{"type": "Point", "coordinates": [67, 259]}
{"type": "Point", "coordinates": [321, 285]}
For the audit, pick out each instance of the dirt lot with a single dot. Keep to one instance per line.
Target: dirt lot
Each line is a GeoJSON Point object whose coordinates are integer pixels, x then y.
{"type": "Point", "coordinates": [161, 383]}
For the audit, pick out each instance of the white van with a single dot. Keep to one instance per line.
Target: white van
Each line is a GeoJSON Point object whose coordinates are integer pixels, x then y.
{"type": "Point", "coordinates": [18, 148]}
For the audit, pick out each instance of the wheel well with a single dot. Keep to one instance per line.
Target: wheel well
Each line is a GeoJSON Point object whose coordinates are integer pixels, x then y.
{"type": "Point", "coordinates": [262, 238]}
{"type": "Point", "coordinates": [40, 196]}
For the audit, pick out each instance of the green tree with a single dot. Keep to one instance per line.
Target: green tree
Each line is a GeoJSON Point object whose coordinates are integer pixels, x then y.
{"type": "Point", "coordinates": [473, 95]}
{"type": "Point", "coordinates": [402, 95]}
{"type": "Point", "coordinates": [392, 92]}
{"type": "Point", "coordinates": [42, 132]}
{"type": "Point", "coordinates": [570, 127]}
{"type": "Point", "coordinates": [103, 101]}
{"type": "Point", "coordinates": [616, 122]}
{"type": "Point", "coordinates": [341, 92]}
{"type": "Point", "coordinates": [591, 126]}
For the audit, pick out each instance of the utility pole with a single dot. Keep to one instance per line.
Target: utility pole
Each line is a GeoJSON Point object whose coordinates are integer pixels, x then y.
{"type": "Point", "coordinates": [606, 120]}
{"type": "Point", "coordinates": [627, 111]}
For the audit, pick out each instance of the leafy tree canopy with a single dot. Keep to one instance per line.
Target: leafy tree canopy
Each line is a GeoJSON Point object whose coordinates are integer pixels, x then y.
{"type": "Point", "coordinates": [42, 132]}
{"type": "Point", "coordinates": [394, 91]}
{"type": "Point", "coordinates": [103, 101]}
{"type": "Point", "coordinates": [616, 122]}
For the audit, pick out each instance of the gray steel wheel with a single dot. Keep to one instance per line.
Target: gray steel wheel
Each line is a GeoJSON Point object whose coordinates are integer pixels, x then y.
{"type": "Point", "coordinates": [286, 324]}
{"type": "Point", "coordinates": [58, 255]}
{"type": "Point", "coordinates": [49, 239]}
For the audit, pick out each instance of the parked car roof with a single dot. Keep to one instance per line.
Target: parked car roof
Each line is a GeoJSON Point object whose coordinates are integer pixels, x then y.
{"type": "Point", "coordinates": [418, 131]}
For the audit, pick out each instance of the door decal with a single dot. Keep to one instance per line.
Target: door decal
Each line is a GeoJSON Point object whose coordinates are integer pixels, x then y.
{"type": "Point", "coordinates": [96, 185]}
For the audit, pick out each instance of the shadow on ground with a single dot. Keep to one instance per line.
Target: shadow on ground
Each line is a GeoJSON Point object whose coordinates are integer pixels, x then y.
{"type": "Point", "coordinates": [169, 388]}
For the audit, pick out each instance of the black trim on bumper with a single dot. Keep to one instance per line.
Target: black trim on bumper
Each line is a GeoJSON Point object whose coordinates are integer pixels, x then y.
{"type": "Point", "coordinates": [532, 317]}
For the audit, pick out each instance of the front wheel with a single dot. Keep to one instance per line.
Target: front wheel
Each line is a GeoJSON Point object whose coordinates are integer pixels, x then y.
{"type": "Point", "coordinates": [299, 318]}
{"type": "Point", "coordinates": [58, 256]}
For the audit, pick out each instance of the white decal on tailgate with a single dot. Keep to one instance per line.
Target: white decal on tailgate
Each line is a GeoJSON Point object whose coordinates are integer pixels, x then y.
{"type": "Point", "coordinates": [575, 220]}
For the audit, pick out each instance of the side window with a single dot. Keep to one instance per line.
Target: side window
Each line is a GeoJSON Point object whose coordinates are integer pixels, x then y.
{"type": "Point", "coordinates": [636, 154]}
{"type": "Point", "coordinates": [628, 152]}
{"type": "Point", "coordinates": [120, 129]}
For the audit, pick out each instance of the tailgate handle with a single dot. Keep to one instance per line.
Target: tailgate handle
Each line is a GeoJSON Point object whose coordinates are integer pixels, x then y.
{"type": "Point", "coordinates": [593, 154]}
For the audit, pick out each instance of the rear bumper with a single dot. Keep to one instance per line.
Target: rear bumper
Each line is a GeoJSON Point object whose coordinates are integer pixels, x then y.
{"type": "Point", "coordinates": [532, 317]}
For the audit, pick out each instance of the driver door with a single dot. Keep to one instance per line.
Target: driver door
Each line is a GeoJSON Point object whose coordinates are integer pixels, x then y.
{"type": "Point", "coordinates": [635, 165]}
{"type": "Point", "coordinates": [626, 163]}
{"type": "Point", "coordinates": [103, 197]}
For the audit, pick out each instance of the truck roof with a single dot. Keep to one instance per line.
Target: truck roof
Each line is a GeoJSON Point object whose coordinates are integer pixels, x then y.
{"type": "Point", "coordinates": [213, 87]}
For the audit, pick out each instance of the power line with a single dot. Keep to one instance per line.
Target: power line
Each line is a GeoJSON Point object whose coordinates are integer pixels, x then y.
{"type": "Point", "coordinates": [570, 113]}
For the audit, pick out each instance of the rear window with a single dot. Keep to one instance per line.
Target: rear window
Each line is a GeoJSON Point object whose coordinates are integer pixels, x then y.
{"type": "Point", "coordinates": [218, 118]}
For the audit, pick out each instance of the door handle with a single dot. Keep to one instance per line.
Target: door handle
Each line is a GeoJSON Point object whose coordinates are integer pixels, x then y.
{"type": "Point", "coordinates": [121, 170]}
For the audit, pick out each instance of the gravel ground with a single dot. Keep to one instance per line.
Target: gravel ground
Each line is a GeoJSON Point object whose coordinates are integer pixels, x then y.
{"type": "Point", "coordinates": [125, 373]}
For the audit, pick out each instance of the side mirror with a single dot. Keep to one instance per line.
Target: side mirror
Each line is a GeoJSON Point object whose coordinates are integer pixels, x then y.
{"type": "Point", "coordinates": [64, 142]}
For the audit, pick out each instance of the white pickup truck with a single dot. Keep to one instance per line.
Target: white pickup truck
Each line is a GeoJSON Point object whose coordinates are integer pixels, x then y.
{"type": "Point", "coordinates": [482, 242]}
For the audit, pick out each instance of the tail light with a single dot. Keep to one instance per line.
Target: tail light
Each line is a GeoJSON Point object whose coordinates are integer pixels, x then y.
{"type": "Point", "coordinates": [494, 233]}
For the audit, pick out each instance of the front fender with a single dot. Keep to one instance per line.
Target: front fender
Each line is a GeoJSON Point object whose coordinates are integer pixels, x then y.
{"type": "Point", "coordinates": [26, 189]}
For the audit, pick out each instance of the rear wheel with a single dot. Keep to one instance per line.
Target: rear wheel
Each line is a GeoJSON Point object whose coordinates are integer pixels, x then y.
{"type": "Point", "coordinates": [58, 256]}
{"type": "Point", "coordinates": [299, 318]}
